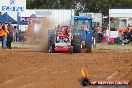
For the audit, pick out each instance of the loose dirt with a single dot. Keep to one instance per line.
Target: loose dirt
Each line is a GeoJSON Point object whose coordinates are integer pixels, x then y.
{"type": "Point", "coordinates": [24, 68]}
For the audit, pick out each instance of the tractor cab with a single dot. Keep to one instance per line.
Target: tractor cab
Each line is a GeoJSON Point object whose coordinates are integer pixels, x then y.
{"type": "Point", "coordinates": [82, 23]}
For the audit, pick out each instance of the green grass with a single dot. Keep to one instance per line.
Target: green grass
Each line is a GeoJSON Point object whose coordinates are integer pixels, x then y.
{"type": "Point", "coordinates": [114, 46]}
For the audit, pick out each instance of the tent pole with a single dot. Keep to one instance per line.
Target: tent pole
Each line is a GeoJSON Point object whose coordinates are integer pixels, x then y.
{"type": "Point", "coordinates": [18, 28]}
{"type": "Point", "coordinates": [7, 19]}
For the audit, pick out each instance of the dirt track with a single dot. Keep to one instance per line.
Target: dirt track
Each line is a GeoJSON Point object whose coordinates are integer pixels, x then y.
{"type": "Point", "coordinates": [23, 68]}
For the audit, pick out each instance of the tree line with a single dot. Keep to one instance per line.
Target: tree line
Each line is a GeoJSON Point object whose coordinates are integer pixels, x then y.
{"type": "Point", "coordinates": [102, 6]}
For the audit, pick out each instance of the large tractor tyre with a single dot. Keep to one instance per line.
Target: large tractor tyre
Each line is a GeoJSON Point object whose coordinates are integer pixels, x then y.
{"type": "Point", "coordinates": [51, 42]}
{"type": "Point", "coordinates": [88, 47]}
{"type": "Point", "coordinates": [71, 50]}
{"type": "Point", "coordinates": [76, 43]}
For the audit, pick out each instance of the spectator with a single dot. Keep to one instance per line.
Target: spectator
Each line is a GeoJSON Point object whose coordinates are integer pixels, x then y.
{"type": "Point", "coordinates": [15, 34]}
{"type": "Point", "coordinates": [100, 34]}
{"type": "Point", "coordinates": [126, 34]}
{"type": "Point", "coordinates": [10, 35]}
{"type": "Point", "coordinates": [4, 32]}
{"type": "Point", "coordinates": [58, 28]}
{"type": "Point", "coordinates": [1, 35]}
{"type": "Point", "coordinates": [107, 34]}
{"type": "Point", "coordinates": [95, 34]}
{"type": "Point", "coordinates": [131, 36]}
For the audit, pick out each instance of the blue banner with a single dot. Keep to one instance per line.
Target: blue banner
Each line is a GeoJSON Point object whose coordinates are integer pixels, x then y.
{"type": "Point", "coordinates": [13, 8]}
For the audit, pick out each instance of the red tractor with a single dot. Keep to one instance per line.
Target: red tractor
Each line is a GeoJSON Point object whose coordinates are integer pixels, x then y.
{"type": "Point", "coordinates": [60, 40]}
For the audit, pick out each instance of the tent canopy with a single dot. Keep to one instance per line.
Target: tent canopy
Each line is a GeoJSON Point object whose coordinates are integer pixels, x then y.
{"type": "Point", "coordinates": [33, 15]}
{"type": "Point", "coordinates": [6, 18]}
{"type": "Point", "coordinates": [26, 22]}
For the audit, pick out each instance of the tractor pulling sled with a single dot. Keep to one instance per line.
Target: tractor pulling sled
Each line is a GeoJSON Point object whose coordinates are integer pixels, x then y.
{"type": "Point", "coordinates": [70, 40]}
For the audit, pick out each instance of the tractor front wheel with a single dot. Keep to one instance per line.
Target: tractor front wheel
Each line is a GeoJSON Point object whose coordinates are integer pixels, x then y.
{"type": "Point", "coordinates": [71, 50]}
{"type": "Point", "coordinates": [50, 49]}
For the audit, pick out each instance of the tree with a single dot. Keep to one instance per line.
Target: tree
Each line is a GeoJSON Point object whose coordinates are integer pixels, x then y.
{"type": "Point", "coordinates": [80, 5]}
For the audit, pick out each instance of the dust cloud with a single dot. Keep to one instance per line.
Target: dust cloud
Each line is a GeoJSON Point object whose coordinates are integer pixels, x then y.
{"type": "Point", "coordinates": [39, 40]}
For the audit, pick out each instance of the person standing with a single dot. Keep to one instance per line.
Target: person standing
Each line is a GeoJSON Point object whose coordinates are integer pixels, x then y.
{"type": "Point", "coordinates": [107, 33]}
{"type": "Point", "coordinates": [15, 34]}
{"type": "Point", "coordinates": [4, 32]}
{"type": "Point", "coordinates": [10, 35]}
{"type": "Point", "coordinates": [1, 35]}
{"type": "Point", "coordinates": [100, 34]}
{"type": "Point", "coordinates": [58, 28]}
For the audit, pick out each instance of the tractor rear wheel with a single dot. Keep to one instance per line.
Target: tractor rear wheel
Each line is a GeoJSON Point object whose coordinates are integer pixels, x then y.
{"type": "Point", "coordinates": [76, 43]}
{"type": "Point", "coordinates": [88, 47]}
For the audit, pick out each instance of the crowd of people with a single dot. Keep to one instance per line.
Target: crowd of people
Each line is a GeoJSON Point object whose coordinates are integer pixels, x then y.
{"type": "Point", "coordinates": [125, 37]}
{"type": "Point", "coordinates": [98, 34]}
{"type": "Point", "coordinates": [7, 34]}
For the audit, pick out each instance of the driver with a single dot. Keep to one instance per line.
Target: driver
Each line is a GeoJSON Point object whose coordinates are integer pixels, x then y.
{"type": "Point", "coordinates": [84, 26]}
{"type": "Point", "coordinates": [67, 35]}
{"type": "Point", "coordinates": [57, 39]}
